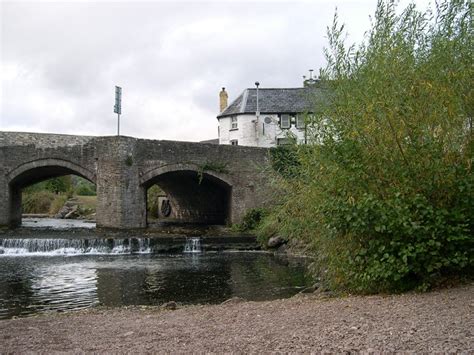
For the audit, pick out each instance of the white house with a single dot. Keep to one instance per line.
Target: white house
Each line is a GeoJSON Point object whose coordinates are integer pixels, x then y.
{"type": "Point", "coordinates": [276, 117]}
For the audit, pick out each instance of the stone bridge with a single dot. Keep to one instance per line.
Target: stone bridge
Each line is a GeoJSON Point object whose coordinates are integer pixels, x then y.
{"type": "Point", "coordinates": [205, 183]}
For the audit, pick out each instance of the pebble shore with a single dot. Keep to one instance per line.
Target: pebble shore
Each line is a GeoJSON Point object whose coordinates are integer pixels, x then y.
{"type": "Point", "coordinates": [438, 321]}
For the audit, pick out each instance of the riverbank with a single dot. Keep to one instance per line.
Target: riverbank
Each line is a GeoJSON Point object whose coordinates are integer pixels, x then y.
{"type": "Point", "coordinates": [440, 321]}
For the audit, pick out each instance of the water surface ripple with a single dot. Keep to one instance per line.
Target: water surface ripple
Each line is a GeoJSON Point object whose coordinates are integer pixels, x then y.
{"type": "Point", "coordinates": [37, 284]}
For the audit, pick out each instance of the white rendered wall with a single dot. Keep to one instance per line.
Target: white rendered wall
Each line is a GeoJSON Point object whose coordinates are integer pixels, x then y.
{"type": "Point", "coordinates": [251, 132]}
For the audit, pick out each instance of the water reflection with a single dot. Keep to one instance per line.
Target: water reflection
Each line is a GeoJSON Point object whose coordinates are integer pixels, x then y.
{"type": "Point", "coordinates": [31, 285]}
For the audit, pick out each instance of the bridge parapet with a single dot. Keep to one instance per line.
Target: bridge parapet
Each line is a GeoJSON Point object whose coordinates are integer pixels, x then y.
{"type": "Point", "coordinates": [42, 140]}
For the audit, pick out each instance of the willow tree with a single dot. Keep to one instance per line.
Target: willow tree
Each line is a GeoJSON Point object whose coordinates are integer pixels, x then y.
{"type": "Point", "coordinates": [386, 195]}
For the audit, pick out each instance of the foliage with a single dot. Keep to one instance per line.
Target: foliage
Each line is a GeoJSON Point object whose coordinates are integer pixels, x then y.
{"type": "Point", "coordinates": [42, 202]}
{"type": "Point", "coordinates": [57, 204]}
{"type": "Point", "coordinates": [86, 205]}
{"type": "Point", "coordinates": [129, 160]}
{"type": "Point", "coordinates": [85, 188]}
{"type": "Point", "coordinates": [37, 202]}
{"type": "Point", "coordinates": [152, 200]}
{"type": "Point", "coordinates": [56, 185]}
{"type": "Point", "coordinates": [251, 219]}
{"type": "Point", "coordinates": [387, 196]}
{"type": "Point", "coordinates": [49, 196]}
{"type": "Point", "coordinates": [216, 167]}
{"type": "Point", "coordinates": [284, 160]}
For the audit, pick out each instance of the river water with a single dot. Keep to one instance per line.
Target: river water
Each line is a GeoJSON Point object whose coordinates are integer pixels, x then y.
{"type": "Point", "coordinates": [32, 283]}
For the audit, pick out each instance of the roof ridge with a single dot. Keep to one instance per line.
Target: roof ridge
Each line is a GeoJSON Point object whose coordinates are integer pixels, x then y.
{"type": "Point", "coordinates": [276, 88]}
{"type": "Point", "coordinates": [243, 104]}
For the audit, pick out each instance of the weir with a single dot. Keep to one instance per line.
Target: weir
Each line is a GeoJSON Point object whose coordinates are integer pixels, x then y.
{"type": "Point", "coordinates": [193, 245]}
{"type": "Point", "coordinates": [38, 246]}
{"type": "Point", "coordinates": [33, 246]}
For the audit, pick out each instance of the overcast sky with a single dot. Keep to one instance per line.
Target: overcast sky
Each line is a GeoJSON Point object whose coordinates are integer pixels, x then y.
{"type": "Point", "coordinates": [60, 61]}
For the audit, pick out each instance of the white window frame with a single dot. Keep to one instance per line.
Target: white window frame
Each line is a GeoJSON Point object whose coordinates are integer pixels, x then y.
{"type": "Point", "coordinates": [233, 123]}
{"type": "Point", "coordinates": [300, 121]}
{"type": "Point", "coordinates": [287, 118]}
{"type": "Point", "coordinates": [234, 142]}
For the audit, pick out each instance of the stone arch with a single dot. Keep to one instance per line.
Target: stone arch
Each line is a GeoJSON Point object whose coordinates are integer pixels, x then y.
{"type": "Point", "coordinates": [153, 173]}
{"type": "Point", "coordinates": [53, 167]}
{"type": "Point", "coordinates": [35, 171]}
{"type": "Point", "coordinates": [196, 196]}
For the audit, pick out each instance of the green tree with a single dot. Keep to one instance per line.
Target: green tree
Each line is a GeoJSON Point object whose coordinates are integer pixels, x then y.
{"type": "Point", "coordinates": [387, 196]}
{"type": "Point", "coordinates": [59, 184]}
{"type": "Point", "coordinates": [56, 185]}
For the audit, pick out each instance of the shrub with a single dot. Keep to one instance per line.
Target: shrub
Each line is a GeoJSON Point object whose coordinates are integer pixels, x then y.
{"type": "Point", "coordinates": [83, 187]}
{"type": "Point", "coordinates": [153, 194]}
{"type": "Point", "coordinates": [251, 219]}
{"type": "Point", "coordinates": [85, 190]}
{"type": "Point", "coordinates": [386, 197]}
{"type": "Point", "coordinates": [37, 202]}
{"type": "Point", "coordinates": [57, 204]}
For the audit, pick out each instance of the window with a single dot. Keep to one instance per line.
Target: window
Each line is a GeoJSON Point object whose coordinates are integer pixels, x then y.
{"type": "Point", "coordinates": [234, 142]}
{"type": "Point", "coordinates": [283, 141]}
{"type": "Point", "coordinates": [300, 121]}
{"type": "Point", "coordinates": [233, 123]}
{"type": "Point", "coordinates": [285, 121]}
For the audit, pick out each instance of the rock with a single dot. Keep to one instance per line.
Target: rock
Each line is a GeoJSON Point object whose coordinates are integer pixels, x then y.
{"type": "Point", "coordinates": [234, 300]}
{"type": "Point", "coordinates": [275, 242]}
{"type": "Point", "coordinates": [171, 306]}
{"type": "Point", "coordinates": [311, 289]}
{"type": "Point", "coordinates": [72, 212]}
{"type": "Point", "coordinates": [282, 249]}
{"type": "Point", "coordinates": [62, 212]}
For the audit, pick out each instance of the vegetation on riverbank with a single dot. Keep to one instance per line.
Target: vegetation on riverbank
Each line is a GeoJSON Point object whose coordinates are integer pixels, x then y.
{"type": "Point", "coordinates": [385, 192]}
{"type": "Point", "coordinates": [47, 197]}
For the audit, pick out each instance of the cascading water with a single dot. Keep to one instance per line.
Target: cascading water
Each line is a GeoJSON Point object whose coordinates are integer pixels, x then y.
{"type": "Point", "coordinates": [193, 245]}
{"type": "Point", "coordinates": [37, 246]}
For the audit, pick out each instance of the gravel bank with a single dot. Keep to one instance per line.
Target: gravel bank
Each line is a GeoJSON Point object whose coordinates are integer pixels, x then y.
{"type": "Point", "coordinates": [440, 321]}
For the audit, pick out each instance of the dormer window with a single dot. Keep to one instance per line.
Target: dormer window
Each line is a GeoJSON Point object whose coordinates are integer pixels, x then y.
{"type": "Point", "coordinates": [285, 121]}
{"type": "Point", "coordinates": [233, 123]}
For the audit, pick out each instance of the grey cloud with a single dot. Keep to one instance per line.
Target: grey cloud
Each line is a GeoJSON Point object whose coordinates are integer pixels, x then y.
{"type": "Point", "coordinates": [170, 58]}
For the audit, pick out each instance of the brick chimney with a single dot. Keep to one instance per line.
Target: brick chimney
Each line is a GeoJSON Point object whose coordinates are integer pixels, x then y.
{"type": "Point", "coordinates": [223, 99]}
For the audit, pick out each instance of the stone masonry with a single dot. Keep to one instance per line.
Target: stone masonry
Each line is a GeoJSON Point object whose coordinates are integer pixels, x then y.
{"type": "Point", "coordinates": [205, 182]}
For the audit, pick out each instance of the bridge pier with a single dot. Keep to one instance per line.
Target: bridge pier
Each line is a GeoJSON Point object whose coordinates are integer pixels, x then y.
{"type": "Point", "coordinates": [121, 201]}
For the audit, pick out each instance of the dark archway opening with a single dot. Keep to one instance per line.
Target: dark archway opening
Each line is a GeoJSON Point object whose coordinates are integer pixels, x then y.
{"type": "Point", "coordinates": [49, 191]}
{"type": "Point", "coordinates": [187, 196]}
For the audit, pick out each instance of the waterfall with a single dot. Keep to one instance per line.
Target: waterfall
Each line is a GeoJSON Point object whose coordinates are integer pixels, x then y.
{"type": "Point", "coordinates": [37, 246]}
{"type": "Point", "coordinates": [193, 245]}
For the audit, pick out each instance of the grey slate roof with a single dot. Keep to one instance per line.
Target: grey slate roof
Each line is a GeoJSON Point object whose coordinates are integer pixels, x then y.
{"type": "Point", "coordinates": [287, 100]}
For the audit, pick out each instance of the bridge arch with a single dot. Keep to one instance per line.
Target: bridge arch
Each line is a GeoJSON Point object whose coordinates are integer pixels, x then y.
{"type": "Point", "coordinates": [34, 171]}
{"type": "Point", "coordinates": [37, 170]}
{"type": "Point", "coordinates": [196, 196]}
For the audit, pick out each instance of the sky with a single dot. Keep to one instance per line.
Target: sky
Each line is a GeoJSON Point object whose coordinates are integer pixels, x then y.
{"type": "Point", "coordinates": [60, 60]}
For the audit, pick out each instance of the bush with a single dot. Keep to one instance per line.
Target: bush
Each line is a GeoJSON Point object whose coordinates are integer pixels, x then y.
{"type": "Point", "coordinates": [251, 219]}
{"type": "Point", "coordinates": [37, 202]}
{"type": "Point", "coordinates": [57, 204]}
{"type": "Point", "coordinates": [386, 197]}
{"type": "Point", "coordinates": [44, 202]}
{"type": "Point", "coordinates": [84, 187]}
{"type": "Point", "coordinates": [153, 194]}
{"type": "Point", "coordinates": [85, 190]}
